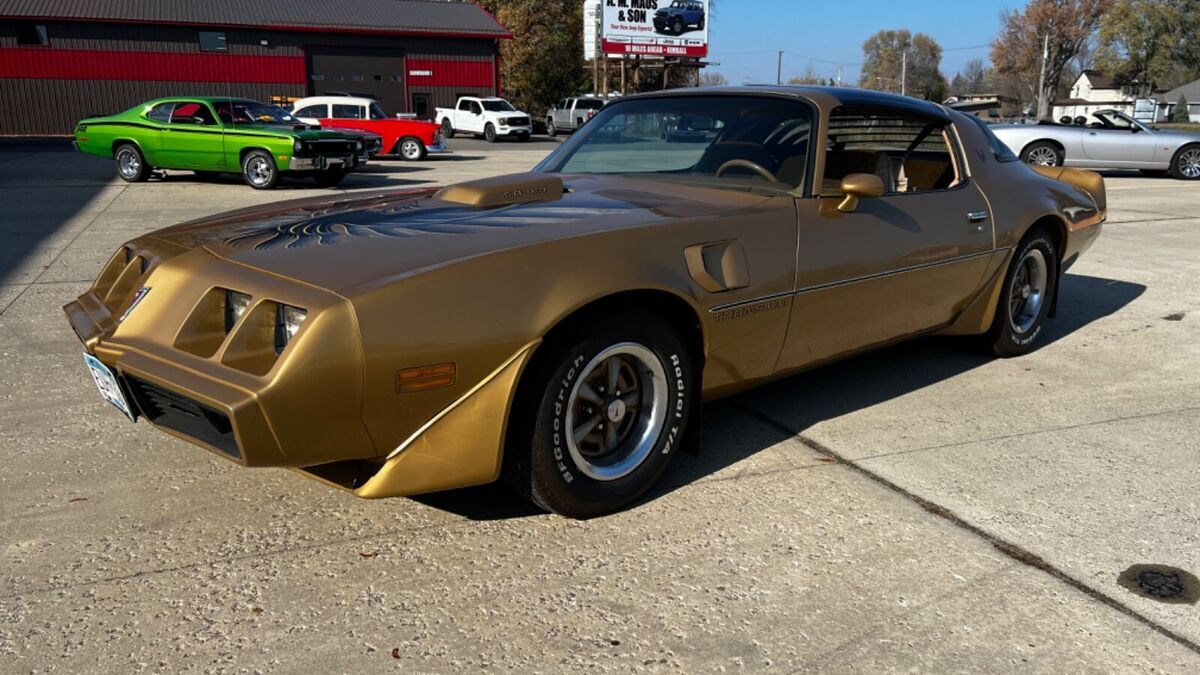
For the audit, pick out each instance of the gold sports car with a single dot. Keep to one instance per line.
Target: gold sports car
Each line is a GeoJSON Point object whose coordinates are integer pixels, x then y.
{"type": "Point", "coordinates": [560, 328]}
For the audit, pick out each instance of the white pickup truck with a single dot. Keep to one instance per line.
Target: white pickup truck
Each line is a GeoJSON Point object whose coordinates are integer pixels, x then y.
{"type": "Point", "coordinates": [489, 117]}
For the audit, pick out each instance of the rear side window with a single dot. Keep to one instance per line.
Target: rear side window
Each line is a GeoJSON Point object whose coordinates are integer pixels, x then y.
{"type": "Point", "coordinates": [1000, 151]}
{"type": "Point", "coordinates": [909, 152]}
{"type": "Point", "coordinates": [161, 112]}
{"type": "Point", "coordinates": [589, 104]}
{"type": "Point", "coordinates": [313, 111]}
{"type": "Point", "coordinates": [347, 112]}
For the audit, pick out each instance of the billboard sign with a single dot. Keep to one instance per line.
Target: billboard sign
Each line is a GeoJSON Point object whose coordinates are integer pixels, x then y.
{"type": "Point", "coordinates": [655, 27]}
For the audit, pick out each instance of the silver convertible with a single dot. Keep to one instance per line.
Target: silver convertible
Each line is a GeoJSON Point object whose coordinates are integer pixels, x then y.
{"type": "Point", "coordinates": [1108, 140]}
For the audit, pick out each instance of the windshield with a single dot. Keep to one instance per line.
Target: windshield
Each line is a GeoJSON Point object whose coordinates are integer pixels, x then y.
{"type": "Point", "coordinates": [498, 105]}
{"type": "Point", "coordinates": [732, 138]}
{"type": "Point", "coordinates": [1110, 119]}
{"type": "Point", "coordinates": [249, 112]}
{"type": "Point", "coordinates": [377, 112]}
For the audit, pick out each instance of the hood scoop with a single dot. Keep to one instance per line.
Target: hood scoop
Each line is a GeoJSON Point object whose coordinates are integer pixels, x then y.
{"type": "Point", "coordinates": [518, 188]}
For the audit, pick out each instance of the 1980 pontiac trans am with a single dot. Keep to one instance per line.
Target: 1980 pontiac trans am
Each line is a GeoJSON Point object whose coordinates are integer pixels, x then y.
{"type": "Point", "coordinates": [560, 328]}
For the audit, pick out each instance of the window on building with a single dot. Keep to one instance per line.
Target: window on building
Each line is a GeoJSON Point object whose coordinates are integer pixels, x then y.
{"type": "Point", "coordinates": [342, 111]}
{"type": "Point", "coordinates": [32, 34]}
{"type": "Point", "coordinates": [161, 112]}
{"type": "Point", "coordinates": [420, 105]}
{"type": "Point", "coordinates": [213, 41]}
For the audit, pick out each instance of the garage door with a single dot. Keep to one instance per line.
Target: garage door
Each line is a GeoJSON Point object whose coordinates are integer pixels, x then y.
{"type": "Point", "coordinates": [378, 73]}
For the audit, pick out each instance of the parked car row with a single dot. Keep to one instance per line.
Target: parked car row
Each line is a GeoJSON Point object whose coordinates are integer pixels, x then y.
{"type": "Point", "coordinates": [322, 137]}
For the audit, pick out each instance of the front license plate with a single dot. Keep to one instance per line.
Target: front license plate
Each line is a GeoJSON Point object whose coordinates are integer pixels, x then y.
{"type": "Point", "coordinates": [107, 383]}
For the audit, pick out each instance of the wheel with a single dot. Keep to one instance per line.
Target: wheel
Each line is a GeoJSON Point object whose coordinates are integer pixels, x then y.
{"type": "Point", "coordinates": [1186, 163]}
{"type": "Point", "coordinates": [131, 165]}
{"type": "Point", "coordinates": [578, 123]}
{"type": "Point", "coordinates": [1029, 287]}
{"type": "Point", "coordinates": [625, 389]}
{"type": "Point", "coordinates": [551, 131]}
{"type": "Point", "coordinates": [677, 26]}
{"type": "Point", "coordinates": [700, 24]}
{"type": "Point", "coordinates": [489, 133]}
{"type": "Point", "coordinates": [208, 175]}
{"type": "Point", "coordinates": [447, 128]}
{"type": "Point", "coordinates": [411, 149]}
{"type": "Point", "coordinates": [259, 171]}
{"type": "Point", "coordinates": [1042, 153]}
{"type": "Point", "coordinates": [330, 177]}
{"type": "Point", "coordinates": [1154, 173]}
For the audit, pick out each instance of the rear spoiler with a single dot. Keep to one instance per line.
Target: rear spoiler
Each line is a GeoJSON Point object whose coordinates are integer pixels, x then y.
{"type": "Point", "coordinates": [1088, 181]}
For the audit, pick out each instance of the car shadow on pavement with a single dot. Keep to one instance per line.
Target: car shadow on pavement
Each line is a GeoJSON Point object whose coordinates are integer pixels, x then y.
{"type": "Point", "coordinates": [732, 435]}
{"type": "Point", "coordinates": [356, 180]}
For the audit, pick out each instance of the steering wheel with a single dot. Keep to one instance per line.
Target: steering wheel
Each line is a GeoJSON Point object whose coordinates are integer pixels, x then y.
{"type": "Point", "coordinates": [747, 164]}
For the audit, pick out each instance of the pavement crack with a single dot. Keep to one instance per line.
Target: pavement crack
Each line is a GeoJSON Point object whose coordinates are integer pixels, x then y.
{"type": "Point", "coordinates": [1005, 437]}
{"type": "Point", "coordinates": [18, 296]}
{"type": "Point", "coordinates": [1009, 549]}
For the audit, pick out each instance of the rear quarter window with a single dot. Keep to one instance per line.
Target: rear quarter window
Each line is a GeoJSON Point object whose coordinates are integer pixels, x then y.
{"type": "Point", "coordinates": [1000, 151]}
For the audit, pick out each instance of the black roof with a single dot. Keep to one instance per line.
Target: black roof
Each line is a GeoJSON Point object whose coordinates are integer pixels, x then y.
{"type": "Point", "coordinates": [847, 96]}
{"type": "Point", "coordinates": [464, 19]}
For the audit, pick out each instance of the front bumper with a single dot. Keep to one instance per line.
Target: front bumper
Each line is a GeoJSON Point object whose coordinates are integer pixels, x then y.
{"type": "Point", "coordinates": [323, 162]}
{"type": "Point", "coordinates": [524, 130]}
{"type": "Point", "coordinates": [225, 392]}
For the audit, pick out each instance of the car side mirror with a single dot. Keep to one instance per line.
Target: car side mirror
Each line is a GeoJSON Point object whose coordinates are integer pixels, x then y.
{"type": "Point", "coordinates": [858, 186]}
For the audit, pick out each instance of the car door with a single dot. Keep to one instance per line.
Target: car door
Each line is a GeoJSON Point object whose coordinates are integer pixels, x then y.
{"type": "Point", "coordinates": [562, 114]}
{"type": "Point", "coordinates": [193, 139]}
{"type": "Point", "coordinates": [900, 264]}
{"type": "Point", "coordinates": [1118, 141]}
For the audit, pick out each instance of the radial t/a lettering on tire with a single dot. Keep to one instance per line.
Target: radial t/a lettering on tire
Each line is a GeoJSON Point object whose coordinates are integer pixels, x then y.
{"type": "Point", "coordinates": [606, 409]}
{"type": "Point", "coordinates": [1025, 298]}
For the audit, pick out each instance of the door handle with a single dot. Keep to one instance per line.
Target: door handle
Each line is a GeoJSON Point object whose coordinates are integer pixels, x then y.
{"type": "Point", "coordinates": [977, 218]}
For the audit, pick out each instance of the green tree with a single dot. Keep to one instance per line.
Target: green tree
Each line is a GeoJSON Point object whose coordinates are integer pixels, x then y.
{"type": "Point", "coordinates": [1180, 112]}
{"type": "Point", "coordinates": [1149, 40]}
{"type": "Point", "coordinates": [1056, 29]}
{"type": "Point", "coordinates": [901, 62]}
{"type": "Point", "coordinates": [544, 61]}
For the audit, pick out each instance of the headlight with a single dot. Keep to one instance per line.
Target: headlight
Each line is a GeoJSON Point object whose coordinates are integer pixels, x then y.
{"type": "Point", "coordinates": [298, 145]}
{"type": "Point", "coordinates": [503, 123]}
{"type": "Point", "coordinates": [358, 145]}
{"type": "Point", "coordinates": [287, 322]}
{"type": "Point", "coordinates": [236, 305]}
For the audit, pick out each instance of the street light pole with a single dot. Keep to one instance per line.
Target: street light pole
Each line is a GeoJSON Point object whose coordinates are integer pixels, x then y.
{"type": "Point", "coordinates": [779, 69]}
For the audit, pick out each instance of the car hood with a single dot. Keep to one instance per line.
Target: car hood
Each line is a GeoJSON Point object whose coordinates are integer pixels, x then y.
{"type": "Point", "coordinates": [342, 243]}
{"type": "Point", "coordinates": [304, 132]}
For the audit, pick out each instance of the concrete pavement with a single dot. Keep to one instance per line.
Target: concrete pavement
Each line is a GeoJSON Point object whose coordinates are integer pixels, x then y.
{"type": "Point", "coordinates": [920, 508]}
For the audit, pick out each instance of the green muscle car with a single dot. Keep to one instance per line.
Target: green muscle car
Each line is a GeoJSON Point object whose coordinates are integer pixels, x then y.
{"type": "Point", "coordinates": [211, 135]}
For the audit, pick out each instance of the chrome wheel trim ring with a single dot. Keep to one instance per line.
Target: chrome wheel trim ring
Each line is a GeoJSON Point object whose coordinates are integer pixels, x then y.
{"type": "Point", "coordinates": [127, 163]}
{"type": "Point", "coordinates": [258, 170]}
{"type": "Point", "coordinates": [1043, 156]}
{"type": "Point", "coordinates": [1189, 163]}
{"type": "Point", "coordinates": [1027, 292]}
{"type": "Point", "coordinates": [410, 149]}
{"type": "Point", "coordinates": [636, 441]}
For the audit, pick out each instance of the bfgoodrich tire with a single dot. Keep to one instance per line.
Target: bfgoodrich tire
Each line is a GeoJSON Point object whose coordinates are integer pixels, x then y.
{"type": "Point", "coordinates": [1028, 291]}
{"type": "Point", "coordinates": [601, 414]}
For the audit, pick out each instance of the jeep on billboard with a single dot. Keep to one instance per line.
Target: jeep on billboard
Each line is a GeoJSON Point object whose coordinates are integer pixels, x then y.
{"type": "Point", "coordinates": [655, 27]}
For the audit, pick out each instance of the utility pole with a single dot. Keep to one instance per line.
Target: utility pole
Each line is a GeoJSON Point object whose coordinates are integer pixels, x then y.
{"type": "Point", "coordinates": [904, 73]}
{"type": "Point", "coordinates": [597, 51]}
{"type": "Point", "coordinates": [779, 69]}
{"type": "Point", "coordinates": [1043, 110]}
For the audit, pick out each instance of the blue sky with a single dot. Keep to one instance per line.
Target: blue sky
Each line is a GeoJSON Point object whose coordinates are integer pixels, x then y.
{"type": "Point", "coordinates": [745, 34]}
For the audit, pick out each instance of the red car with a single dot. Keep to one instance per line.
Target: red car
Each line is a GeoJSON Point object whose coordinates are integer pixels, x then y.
{"type": "Point", "coordinates": [409, 138]}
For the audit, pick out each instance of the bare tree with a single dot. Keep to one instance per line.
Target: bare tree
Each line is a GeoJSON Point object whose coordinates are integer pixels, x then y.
{"type": "Point", "coordinates": [899, 61]}
{"type": "Point", "coordinates": [1037, 44]}
{"type": "Point", "coordinates": [712, 78]}
{"type": "Point", "coordinates": [809, 76]}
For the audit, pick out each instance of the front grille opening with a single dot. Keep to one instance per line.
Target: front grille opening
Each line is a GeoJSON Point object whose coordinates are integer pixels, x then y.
{"type": "Point", "coordinates": [179, 413]}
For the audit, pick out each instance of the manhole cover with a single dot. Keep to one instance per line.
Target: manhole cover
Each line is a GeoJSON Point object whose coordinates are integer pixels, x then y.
{"type": "Point", "coordinates": [1161, 583]}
